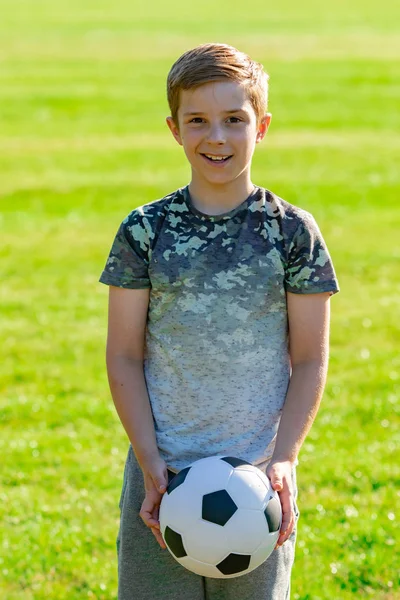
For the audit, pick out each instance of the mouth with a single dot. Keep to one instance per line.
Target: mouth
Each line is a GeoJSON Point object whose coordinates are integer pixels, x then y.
{"type": "Point", "coordinates": [217, 159]}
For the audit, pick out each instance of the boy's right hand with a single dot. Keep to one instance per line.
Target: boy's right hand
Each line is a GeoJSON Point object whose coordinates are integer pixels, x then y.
{"type": "Point", "coordinates": [155, 483]}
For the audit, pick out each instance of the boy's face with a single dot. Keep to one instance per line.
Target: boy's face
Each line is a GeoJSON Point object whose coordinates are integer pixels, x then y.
{"type": "Point", "coordinates": [218, 129]}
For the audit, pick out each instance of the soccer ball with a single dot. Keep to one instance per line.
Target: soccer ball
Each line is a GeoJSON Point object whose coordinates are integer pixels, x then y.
{"type": "Point", "coordinates": [220, 517]}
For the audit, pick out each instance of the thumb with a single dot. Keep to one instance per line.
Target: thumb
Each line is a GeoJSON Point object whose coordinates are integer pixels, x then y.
{"type": "Point", "coordinates": [276, 482]}
{"type": "Point", "coordinates": [160, 481]}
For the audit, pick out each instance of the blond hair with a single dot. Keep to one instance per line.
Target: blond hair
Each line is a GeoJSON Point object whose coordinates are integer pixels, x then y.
{"type": "Point", "coordinates": [216, 62]}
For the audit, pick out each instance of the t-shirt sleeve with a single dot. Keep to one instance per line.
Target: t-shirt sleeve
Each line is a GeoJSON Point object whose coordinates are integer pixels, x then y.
{"type": "Point", "coordinates": [309, 269]}
{"type": "Point", "coordinates": [127, 263]}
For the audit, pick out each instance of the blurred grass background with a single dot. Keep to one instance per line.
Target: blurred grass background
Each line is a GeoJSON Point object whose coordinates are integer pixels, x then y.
{"type": "Point", "coordinates": [82, 142]}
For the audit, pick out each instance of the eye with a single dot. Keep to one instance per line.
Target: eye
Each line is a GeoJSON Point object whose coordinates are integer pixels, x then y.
{"type": "Point", "coordinates": [234, 120]}
{"type": "Point", "coordinates": [196, 120]}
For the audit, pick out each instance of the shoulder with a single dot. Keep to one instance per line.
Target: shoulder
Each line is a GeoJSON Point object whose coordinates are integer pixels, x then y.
{"type": "Point", "coordinates": [149, 213]}
{"type": "Point", "coordinates": [143, 223]}
{"type": "Point", "coordinates": [290, 215]}
{"type": "Point", "coordinates": [293, 223]}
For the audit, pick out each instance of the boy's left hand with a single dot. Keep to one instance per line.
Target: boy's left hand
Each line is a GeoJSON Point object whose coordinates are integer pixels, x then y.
{"type": "Point", "coordinates": [280, 475]}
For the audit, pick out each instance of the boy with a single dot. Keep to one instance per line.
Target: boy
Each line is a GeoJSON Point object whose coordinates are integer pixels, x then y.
{"type": "Point", "coordinates": [218, 327]}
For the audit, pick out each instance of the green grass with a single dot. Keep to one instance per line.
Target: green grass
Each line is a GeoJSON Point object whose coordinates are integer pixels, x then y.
{"type": "Point", "coordinates": [82, 142]}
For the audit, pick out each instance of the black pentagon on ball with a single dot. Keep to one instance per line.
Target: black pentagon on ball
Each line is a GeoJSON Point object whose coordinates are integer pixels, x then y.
{"type": "Point", "coordinates": [218, 507]}
{"type": "Point", "coordinates": [178, 480]}
{"type": "Point", "coordinates": [234, 563]}
{"type": "Point", "coordinates": [174, 542]}
{"type": "Point", "coordinates": [235, 462]}
{"type": "Point", "coordinates": [272, 513]}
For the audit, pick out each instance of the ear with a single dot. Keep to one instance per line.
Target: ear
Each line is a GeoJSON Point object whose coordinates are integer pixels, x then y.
{"type": "Point", "coordinates": [174, 130]}
{"type": "Point", "coordinates": [263, 127]}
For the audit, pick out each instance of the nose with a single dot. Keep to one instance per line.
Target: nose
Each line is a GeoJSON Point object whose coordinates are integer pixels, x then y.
{"type": "Point", "coordinates": [216, 134]}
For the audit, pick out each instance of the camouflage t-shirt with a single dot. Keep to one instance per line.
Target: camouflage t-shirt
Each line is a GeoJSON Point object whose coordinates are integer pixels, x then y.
{"type": "Point", "coordinates": [216, 360]}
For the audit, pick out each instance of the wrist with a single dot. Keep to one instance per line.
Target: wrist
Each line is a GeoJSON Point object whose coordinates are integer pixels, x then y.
{"type": "Point", "coordinates": [281, 457]}
{"type": "Point", "coordinates": [147, 457]}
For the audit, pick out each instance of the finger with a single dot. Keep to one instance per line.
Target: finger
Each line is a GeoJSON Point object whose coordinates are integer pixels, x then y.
{"type": "Point", "coordinates": [159, 538]}
{"type": "Point", "coordinates": [156, 513]}
{"type": "Point", "coordinates": [160, 483]}
{"type": "Point", "coordinates": [149, 510]}
{"type": "Point", "coordinates": [276, 478]}
{"type": "Point", "coordinates": [286, 522]}
{"type": "Point", "coordinates": [148, 518]}
{"type": "Point", "coordinates": [286, 500]}
{"type": "Point", "coordinates": [277, 483]}
{"type": "Point", "coordinates": [283, 538]}
{"type": "Point", "coordinates": [286, 529]}
{"type": "Point", "coordinates": [287, 517]}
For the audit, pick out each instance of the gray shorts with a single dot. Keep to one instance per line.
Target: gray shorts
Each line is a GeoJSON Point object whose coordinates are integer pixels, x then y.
{"type": "Point", "coordinates": [147, 572]}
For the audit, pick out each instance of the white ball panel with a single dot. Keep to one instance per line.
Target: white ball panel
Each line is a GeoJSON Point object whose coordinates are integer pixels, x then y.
{"type": "Point", "coordinates": [207, 542]}
{"type": "Point", "coordinates": [180, 508]}
{"type": "Point", "coordinates": [263, 477]}
{"type": "Point", "coordinates": [247, 489]}
{"type": "Point", "coordinates": [200, 568]}
{"type": "Point", "coordinates": [208, 475]}
{"type": "Point", "coordinates": [264, 550]}
{"type": "Point", "coordinates": [246, 531]}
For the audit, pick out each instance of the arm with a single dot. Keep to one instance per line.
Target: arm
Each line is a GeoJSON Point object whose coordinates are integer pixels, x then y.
{"type": "Point", "coordinates": [309, 349]}
{"type": "Point", "coordinates": [308, 317]}
{"type": "Point", "coordinates": [124, 356]}
{"type": "Point", "coordinates": [127, 315]}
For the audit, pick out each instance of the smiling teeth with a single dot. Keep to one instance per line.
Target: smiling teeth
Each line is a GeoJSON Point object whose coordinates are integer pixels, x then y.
{"type": "Point", "coordinates": [216, 157]}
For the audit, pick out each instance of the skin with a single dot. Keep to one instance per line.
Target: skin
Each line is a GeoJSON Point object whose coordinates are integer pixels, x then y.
{"type": "Point", "coordinates": [224, 124]}
{"type": "Point", "coordinates": [218, 119]}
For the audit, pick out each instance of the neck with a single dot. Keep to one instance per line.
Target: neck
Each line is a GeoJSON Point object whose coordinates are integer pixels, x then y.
{"type": "Point", "coordinates": [214, 199]}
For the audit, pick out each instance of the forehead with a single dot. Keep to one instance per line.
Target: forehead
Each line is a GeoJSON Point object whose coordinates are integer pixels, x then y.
{"type": "Point", "coordinates": [216, 96]}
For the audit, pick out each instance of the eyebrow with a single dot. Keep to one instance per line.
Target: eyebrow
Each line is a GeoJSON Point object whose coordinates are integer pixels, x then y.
{"type": "Point", "coordinates": [233, 110]}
